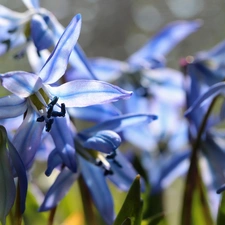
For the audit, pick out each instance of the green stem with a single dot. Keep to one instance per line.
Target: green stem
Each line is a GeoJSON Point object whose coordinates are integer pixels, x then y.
{"type": "Point", "coordinates": [52, 216]}
{"type": "Point", "coordinates": [18, 215]}
{"type": "Point", "coordinates": [87, 203]}
{"type": "Point", "coordinates": [11, 216]}
{"type": "Point", "coordinates": [194, 177]}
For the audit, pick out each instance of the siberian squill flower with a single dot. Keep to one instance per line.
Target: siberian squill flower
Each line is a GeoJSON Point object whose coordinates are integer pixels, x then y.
{"type": "Point", "coordinates": [36, 30]}
{"type": "Point", "coordinates": [98, 158]}
{"type": "Point", "coordinates": [43, 102]}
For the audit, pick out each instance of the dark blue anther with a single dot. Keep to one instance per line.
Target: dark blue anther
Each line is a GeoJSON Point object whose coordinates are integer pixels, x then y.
{"type": "Point", "coordinates": [59, 114]}
{"type": "Point", "coordinates": [13, 30]}
{"type": "Point", "coordinates": [52, 113]}
{"type": "Point", "coordinates": [50, 110]}
{"type": "Point", "coordinates": [98, 163]}
{"type": "Point", "coordinates": [49, 124]}
{"type": "Point", "coordinates": [41, 119]}
{"type": "Point", "coordinates": [54, 101]}
{"type": "Point", "coordinates": [108, 172]}
{"type": "Point", "coordinates": [63, 109]}
{"type": "Point", "coordinates": [20, 54]}
{"type": "Point", "coordinates": [112, 155]}
{"type": "Point", "coordinates": [56, 114]}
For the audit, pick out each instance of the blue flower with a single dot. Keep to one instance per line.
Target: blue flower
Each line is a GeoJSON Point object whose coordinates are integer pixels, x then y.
{"type": "Point", "coordinates": [40, 28]}
{"type": "Point", "coordinates": [12, 25]}
{"type": "Point", "coordinates": [43, 102]}
{"type": "Point", "coordinates": [99, 158]}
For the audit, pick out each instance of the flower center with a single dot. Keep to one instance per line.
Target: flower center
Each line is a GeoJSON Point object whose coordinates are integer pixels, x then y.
{"type": "Point", "coordinates": [46, 111]}
{"type": "Point", "coordinates": [51, 113]}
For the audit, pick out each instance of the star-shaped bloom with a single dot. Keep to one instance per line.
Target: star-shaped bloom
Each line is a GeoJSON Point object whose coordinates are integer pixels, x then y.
{"type": "Point", "coordinates": [43, 101]}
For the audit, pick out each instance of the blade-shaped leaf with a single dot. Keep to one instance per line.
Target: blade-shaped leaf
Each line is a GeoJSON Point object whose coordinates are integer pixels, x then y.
{"type": "Point", "coordinates": [7, 187]}
{"type": "Point", "coordinates": [32, 208]}
{"type": "Point", "coordinates": [221, 211]}
{"type": "Point", "coordinates": [21, 174]}
{"type": "Point", "coordinates": [195, 205]}
{"type": "Point", "coordinates": [131, 210]}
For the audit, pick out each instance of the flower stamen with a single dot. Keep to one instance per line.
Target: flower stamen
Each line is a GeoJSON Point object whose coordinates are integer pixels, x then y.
{"type": "Point", "coordinates": [51, 113]}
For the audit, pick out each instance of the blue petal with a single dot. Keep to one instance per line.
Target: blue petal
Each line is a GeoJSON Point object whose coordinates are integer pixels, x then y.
{"type": "Point", "coordinates": [78, 58]}
{"type": "Point", "coordinates": [105, 141]}
{"type": "Point", "coordinates": [209, 66]}
{"type": "Point", "coordinates": [40, 33]}
{"type": "Point", "coordinates": [63, 139]}
{"type": "Point", "coordinates": [10, 15]}
{"type": "Point", "coordinates": [142, 137]}
{"type": "Point", "coordinates": [36, 60]}
{"type": "Point", "coordinates": [31, 4]}
{"type": "Point", "coordinates": [94, 113]}
{"type": "Point", "coordinates": [28, 137]}
{"type": "Point", "coordinates": [215, 156]}
{"type": "Point", "coordinates": [58, 190]}
{"type": "Point", "coordinates": [54, 160]}
{"type": "Point", "coordinates": [211, 92]}
{"type": "Point", "coordinates": [21, 83]}
{"type": "Point", "coordinates": [169, 171]}
{"type": "Point", "coordinates": [108, 69]}
{"type": "Point", "coordinates": [12, 106]}
{"type": "Point", "coordinates": [163, 42]}
{"type": "Point", "coordinates": [7, 187]}
{"type": "Point", "coordinates": [123, 173]}
{"type": "Point", "coordinates": [81, 57]}
{"type": "Point", "coordinates": [56, 64]}
{"type": "Point", "coordinates": [80, 93]}
{"type": "Point", "coordinates": [97, 186]}
{"type": "Point", "coordinates": [120, 123]}
{"type": "Point", "coordinates": [21, 174]}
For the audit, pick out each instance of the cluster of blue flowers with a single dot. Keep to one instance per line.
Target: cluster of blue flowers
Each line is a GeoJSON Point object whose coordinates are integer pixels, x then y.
{"type": "Point", "coordinates": [38, 116]}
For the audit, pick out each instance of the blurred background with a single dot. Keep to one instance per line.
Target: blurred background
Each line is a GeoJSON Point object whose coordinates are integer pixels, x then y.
{"type": "Point", "coordinates": [117, 28]}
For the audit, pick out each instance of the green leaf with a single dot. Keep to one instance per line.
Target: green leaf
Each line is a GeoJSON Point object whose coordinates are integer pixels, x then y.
{"type": "Point", "coordinates": [221, 211]}
{"type": "Point", "coordinates": [7, 185]}
{"type": "Point", "coordinates": [131, 211]}
{"type": "Point", "coordinates": [195, 202]}
{"type": "Point", "coordinates": [127, 221]}
{"type": "Point", "coordinates": [31, 214]}
{"type": "Point", "coordinates": [158, 220]}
